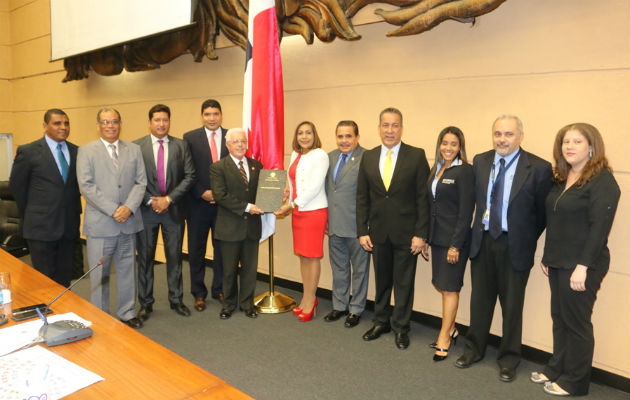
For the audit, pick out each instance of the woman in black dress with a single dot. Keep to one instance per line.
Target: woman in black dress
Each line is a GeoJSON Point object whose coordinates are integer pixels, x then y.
{"type": "Point", "coordinates": [451, 196]}
{"type": "Point", "coordinates": [580, 211]}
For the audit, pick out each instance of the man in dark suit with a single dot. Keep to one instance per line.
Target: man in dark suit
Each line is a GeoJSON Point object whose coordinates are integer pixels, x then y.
{"type": "Point", "coordinates": [207, 146]}
{"type": "Point", "coordinates": [392, 223]}
{"type": "Point", "coordinates": [234, 184]}
{"type": "Point", "coordinates": [44, 183]}
{"type": "Point", "coordinates": [349, 262]}
{"type": "Point", "coordinates": [170, 173]}
{"type": "Point", "coordinates": [510, 190]}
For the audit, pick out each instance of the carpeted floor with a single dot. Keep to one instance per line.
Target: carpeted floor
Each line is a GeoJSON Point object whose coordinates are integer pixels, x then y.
{"type": "Point", "coordinates": [278, 357]}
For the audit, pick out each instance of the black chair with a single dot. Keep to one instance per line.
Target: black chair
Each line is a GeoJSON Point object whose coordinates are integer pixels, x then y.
{"type": "Point", "coordinates": [11, 239]}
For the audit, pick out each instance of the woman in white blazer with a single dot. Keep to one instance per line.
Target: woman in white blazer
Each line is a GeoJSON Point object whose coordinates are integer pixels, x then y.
{"type": "Point", "coordinates": [309, 206]}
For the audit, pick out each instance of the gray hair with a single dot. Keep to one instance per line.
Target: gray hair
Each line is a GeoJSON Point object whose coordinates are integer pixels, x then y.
{"type": "Point", "coordinates": [106, 109]}
{"type": "Point", "coordinates": [230, 131]}
{"type": "Point", "coordinates": [519, 123]}
{"type": "Point", "coordinates": [390, 110]}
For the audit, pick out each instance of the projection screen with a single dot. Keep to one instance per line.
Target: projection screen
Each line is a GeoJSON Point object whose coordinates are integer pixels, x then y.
{"type": "Point", "coordinates": [80, 26]}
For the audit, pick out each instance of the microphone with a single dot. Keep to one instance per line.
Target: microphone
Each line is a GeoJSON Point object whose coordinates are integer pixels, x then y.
{"type": "Point", "coordinates": [66, 331]}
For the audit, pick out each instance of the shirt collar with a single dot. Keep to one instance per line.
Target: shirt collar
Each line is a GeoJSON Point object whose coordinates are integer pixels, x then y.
{"type": "Point", "coordinates": [394, 149]}
{"type": "Point", "coordinates": [106, 143]}
{"type": "Point", "coordinates": [154, 139]}
{"type": "Point", "coordinates": [507, 158]}
{"type": "Point", "coordinates": [455, 163]}
{"type": "Point", "coordinates": [53, 144]}
{"type": "Point", "coordinates": [236, 160]}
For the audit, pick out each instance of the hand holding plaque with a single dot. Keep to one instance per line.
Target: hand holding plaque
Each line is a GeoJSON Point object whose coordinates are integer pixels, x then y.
{"type": "Point", "coordinates": [270, 192]}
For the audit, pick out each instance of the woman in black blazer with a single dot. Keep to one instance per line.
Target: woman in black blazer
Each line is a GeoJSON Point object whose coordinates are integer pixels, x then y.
{"type": "Point", "coordinates": [580, 211]}
{"type": "Point", "coordinates": [452, 200]}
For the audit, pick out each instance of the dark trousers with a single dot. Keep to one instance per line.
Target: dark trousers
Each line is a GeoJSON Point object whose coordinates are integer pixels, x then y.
{"type": "Point", "coordinates": [573, 340]}
{"type": "Point", "coordinates": [202, 218]}
{"type": "Point", "coordinates": [53, 259]}
{"type": "Point", "coordinates": [244, 252]}
{"type": "Point", "coordinates": [172, 236]}
{"type": "Point", "coordinates": [493, 275]}
{"type": "Point", "coordinates": [394, 266]}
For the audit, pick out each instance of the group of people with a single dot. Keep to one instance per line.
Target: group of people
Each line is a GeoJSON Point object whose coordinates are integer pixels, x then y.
{"type": "Point", "coordinates": [386, 201]}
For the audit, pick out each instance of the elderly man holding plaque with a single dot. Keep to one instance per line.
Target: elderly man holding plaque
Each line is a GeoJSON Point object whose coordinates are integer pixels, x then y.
{"type": "Point", "coordinates": [234, 181]}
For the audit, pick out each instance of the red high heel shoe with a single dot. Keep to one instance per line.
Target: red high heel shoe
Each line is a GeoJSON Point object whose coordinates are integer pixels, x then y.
{"type": "Point", "coordinates": [297, 311]}
{"type": "Point", "coordinates": [305, 317]}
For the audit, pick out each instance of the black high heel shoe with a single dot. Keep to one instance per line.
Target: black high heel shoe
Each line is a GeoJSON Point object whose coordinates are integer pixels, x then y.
{"type": "Point", "coordinates": [454, 336]}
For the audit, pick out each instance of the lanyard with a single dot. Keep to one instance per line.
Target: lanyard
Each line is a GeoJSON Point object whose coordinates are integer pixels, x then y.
{"type": "Point", "coordinates": [501, 173]}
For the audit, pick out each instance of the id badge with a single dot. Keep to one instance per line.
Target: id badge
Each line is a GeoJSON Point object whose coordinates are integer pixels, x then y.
{"type": "Point", "coordinates": [486, 217]}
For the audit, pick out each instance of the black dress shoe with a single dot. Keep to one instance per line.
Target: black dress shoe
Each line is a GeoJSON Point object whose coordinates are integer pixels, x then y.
{"type": "Point", "coordinates": [134, 323]}
{"type": "Point", "coordinates": [402, 340]}
{"type": "Point", "coordinates": [334, 315]}
{"type": "Point", "coordinates": [218, 296]}
{"type": "Point", "coordinates": [145, 312]}
{"type": "Point", "coordinates": [225, 314]}
{"type": "Point", "coordinates": [181, 309]}
{"type": "Point", "coordinates": [375, 332]}
{"type": "Point", "coordinates": [507, 374]}
{"type": "Point", "coordinates": [352, 320]}
{"type": "Point", "coordinates": [465, 361]}
{"type": "Point", "coordinates": [251, 313]}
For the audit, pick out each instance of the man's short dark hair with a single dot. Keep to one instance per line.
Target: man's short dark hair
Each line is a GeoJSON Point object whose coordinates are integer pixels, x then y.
{"type": "Point", "coordinates": [159, 108]}
{"type": "Point", "coordinates": [55, 111]}
{"type": "Point", "coordinates": [105, 109]}
{"type": "Point", "coordinates": [390, 110]}
{"type": "Point", "coordinates": [210, 103]}
{"type": "Point", "coordinates": [348, 123]}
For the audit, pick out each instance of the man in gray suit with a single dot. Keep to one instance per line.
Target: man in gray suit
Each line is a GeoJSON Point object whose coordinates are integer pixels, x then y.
{"type": "Point", "coordinates": [343, 243]}
{"type": "Point", "coordinates": [170, 173]}
{"type": "Point", "coordinates": [112, 179]}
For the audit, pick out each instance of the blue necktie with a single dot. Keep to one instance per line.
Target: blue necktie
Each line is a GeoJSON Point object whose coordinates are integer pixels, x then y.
{"type": "Point", "coordinates": [341, 164]}
{"type": "Point", "coordinates": [496, 203]}
{"type": "Point", "coordinates": [63, 163]}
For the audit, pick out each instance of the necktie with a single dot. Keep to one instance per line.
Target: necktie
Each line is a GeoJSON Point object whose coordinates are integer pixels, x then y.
{"type": "Point", "coordinates": [63, 163]}
{"type": "Point", "coordinates": [341, 164]}
{"type": "Point", "coordinates": [160, 168]}
{"type": "Point", "coordinates": [496, 203]}
{"type": "Point", "coordinates": [243, 172]}
{"type": "Point", "coordinates": [213, 148]}
{"type": "Point", "coordinates": [387, 170]}
{"type": "Point", "coordinates": [114, 155]}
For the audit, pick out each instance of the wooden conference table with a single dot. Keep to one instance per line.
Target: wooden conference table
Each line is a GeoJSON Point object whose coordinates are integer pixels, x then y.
{"type": "Point", "coordinates": [134, 366]}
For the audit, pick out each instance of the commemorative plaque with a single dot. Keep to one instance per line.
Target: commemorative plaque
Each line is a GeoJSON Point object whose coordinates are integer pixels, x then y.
{"type": "Point", "coordinates": [271, 183]}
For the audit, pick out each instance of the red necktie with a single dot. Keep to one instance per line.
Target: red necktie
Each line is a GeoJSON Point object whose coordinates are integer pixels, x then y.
{"type": "Point", "coordinates": [213, 148]}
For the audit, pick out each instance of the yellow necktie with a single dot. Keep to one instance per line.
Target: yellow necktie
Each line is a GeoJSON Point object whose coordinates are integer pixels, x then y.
{"type": "Point", "coordinates": [387, 170]}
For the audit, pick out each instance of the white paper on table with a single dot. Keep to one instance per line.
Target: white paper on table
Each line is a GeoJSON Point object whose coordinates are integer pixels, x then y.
{"type": "Point", "coordinates": [17, 336]}
{"type": "Point", "coordinates": [36, 371]}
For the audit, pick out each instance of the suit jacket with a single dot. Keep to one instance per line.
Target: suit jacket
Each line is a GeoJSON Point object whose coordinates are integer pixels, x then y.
{"type": "Point", "coordinates": [526, 207]}
{"type": "Point", "coordinates": [401, 212]}
{"type": "Point", "coordinates": [310, 180]}
{"type": "Point", "coordinates": [180, 174]}
{"type": "Point", "coordinates": [106, 187]}
{"type": "Point", "coordinates": [50, 209]}
{"type": "Point", "coordinates": [232, 195]}
{"type": "Point", "coordinates": [342, 196]}
{"type": "Point", "coordinates": [199, 146]}
{"type": "Point", "coordinates": [452, 207]}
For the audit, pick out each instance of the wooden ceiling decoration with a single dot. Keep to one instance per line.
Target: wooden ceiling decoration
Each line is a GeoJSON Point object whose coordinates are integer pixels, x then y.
{"type": "Point", "coordinates": [326, 19]}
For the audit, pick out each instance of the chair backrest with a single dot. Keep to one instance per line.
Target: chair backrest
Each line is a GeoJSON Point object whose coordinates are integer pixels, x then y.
{"type": "Point", "coordinates": [10, 219]}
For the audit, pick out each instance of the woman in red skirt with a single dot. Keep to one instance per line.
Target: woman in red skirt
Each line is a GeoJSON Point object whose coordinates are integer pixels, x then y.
{"type": "Point", "coordinates": [307, 175]}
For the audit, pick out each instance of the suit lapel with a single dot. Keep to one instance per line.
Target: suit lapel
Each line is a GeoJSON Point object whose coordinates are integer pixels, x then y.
{"type": "Point", "coordinates": [50, 159]}
{"type": "Point", "coordinates": [401, 154]}
{"type": "Point", "coordinates": [147, 152]}
{"type": "Point", "coordinates": [253, 175]}
{"type": "Point", "coordinates": [484, 172]}
{"type": "Point", "coordinates": [224, 151]}
{"type": "Point", "coordinates": [520, 174]}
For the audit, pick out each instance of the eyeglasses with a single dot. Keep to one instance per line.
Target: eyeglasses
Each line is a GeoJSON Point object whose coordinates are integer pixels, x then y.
{"type": "Point", "coordinates": [237, 141]}
{"type": "Point", "coordinates": [109, 122]}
